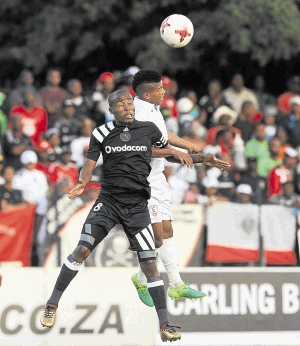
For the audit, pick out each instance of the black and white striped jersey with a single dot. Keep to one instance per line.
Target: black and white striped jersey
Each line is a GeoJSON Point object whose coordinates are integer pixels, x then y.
{"type": "Point", "coordinates": [126, 154]}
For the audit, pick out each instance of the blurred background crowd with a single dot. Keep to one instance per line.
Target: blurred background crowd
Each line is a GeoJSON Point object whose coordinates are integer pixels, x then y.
{"type": "Point", "coordinates": [45, 133]}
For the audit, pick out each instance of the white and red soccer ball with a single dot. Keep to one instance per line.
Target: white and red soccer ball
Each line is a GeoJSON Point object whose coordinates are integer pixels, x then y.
{"type": "Point", "coordinates": [177, 30]}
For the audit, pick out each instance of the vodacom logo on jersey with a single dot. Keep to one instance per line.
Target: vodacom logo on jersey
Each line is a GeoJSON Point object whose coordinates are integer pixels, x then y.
{"type": "Point", "coordinates": [117, 149]}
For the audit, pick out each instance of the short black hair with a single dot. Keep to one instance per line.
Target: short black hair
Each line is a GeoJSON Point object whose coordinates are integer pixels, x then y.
{"type": "Point", "coordinates": [145, 77]}
{"type": "Point", "coordinates": [115, 96]}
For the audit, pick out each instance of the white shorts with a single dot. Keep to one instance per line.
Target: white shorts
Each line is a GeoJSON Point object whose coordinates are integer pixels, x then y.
{"type": "Point", "coordinates": [160, 202]}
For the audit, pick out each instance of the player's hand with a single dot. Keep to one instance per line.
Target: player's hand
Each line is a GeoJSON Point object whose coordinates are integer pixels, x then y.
{"type": "Point", "coordinates": [77, 189]}
{"type": "Point", "coordinates": [184, 158]}
{"type": "Point", "coordinates": [212, 161]}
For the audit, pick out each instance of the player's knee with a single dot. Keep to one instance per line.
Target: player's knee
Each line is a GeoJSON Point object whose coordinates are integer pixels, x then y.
{"type": "Point", "coordinates": [81, 253]}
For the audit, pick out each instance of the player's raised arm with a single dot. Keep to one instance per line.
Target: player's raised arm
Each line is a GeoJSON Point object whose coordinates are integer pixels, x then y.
{"type": "Point", "coordinates": [84, 177]}
{"type": "Point", "coordinates": [177, 155]}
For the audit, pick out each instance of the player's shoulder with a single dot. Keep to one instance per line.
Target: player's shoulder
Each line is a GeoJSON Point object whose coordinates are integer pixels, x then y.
{"type": "Point", "coordinates": [102, 131]}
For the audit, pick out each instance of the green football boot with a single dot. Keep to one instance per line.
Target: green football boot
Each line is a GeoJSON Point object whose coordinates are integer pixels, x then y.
{"type": "Point", "coordinates": [142, 291]}
{"type": "Point", "coordinates": [185, 291]}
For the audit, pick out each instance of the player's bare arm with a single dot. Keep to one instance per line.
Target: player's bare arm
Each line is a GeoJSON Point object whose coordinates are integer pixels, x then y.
{"type": "Point", "coordinates": [183, 144]}
{"type": "Point", "coordinates": [84, 177]}
{"type": "Point", "coordinates": [177, 155]}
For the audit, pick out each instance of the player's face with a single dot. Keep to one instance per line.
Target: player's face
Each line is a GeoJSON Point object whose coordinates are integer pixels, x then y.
{"type": "Point", "coordinates": [156, 94]}
{"type": "Point", "coordinates": [123, 109]}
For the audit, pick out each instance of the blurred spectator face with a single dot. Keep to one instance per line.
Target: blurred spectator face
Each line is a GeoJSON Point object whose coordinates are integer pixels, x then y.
{"type": "Point", "coordinates": [69, 111]}
{"type": "Point", "coordinates": [108, 85]}
{"type": "Point", "coordinates": [210, 191]}
{"type": "Point", "coordinates": [290, 162]}
{"type": "Point", "coordinates": [294, 85]}
{"type": "Point", "coordinates": [288, 189]}
{"type": "Point", "coordinates": [243, 197]}
{"type": "Point", "coordinates": [174, 88]}
{"type": "Point", "coordinates": [295, 108]}
{"type": "Point", "coordinates": [27, 78]}
{"type": "Point", "coordinates": [274, 146]}
{"type": "Point", "coordinates": [54, 78]}
{"type": "Point", "coordinates": [269, 120]}
{"type": "Point", "coordinates": [259, 82]}
{"type": "Point", "coordinates": [238, 82]}
{"type": "Point", "coordinates": [260, 132]}
{"type": "Point", "coordinates": [214, 88]}
{"type": "Point", "coordinates": [29, 98]}
{"type": "Point", "coordinates": [252, 163]}
{"type": "Point", "coordinates": [282, 135]}
{"type": "Point", "coordinates": [54, 140]}
{"type": "Point", "coordinates": [225, 119]}
{"type": "Point", "coordinates": [192, 96]}
{"type": "Point", "coordinates": [8, 174]}
{"type": "Point", "coordinates": [87, 127]}
{"type": "Point", "coordinates": [249, 110]}
{"type": "Point", "coordinates": [75, 88]}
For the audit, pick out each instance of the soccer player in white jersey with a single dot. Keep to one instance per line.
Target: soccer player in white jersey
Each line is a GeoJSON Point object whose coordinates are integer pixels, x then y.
{"type": "Point", "coordinates": [148, 87]}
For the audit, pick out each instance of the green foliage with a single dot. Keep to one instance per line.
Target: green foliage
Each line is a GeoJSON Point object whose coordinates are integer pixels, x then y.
{"type": "Point", "coordinates": [36, 33]}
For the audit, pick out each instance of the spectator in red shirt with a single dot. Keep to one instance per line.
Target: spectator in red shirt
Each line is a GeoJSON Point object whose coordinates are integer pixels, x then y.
{"type": "Point", "coordinates": [34, 117]}
{"type": "Point", "coordinates": [283, 100]}
{"type": "Point", "coordinates": [283, 173]}
{"type": "Point", "coordinates": [53, 96]}
{"type": "Point", "coordinates": [43, 164]}
{"type": "Point", "coordinates": [63, 169]}
{"type": "Point", "coordinates": [168, 107]}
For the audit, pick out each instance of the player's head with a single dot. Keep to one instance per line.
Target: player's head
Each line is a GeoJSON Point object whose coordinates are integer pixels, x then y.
{"type": "Point", "coordinates": [147, 84]}
{"type": "Point", "coordinates": [121, 106]}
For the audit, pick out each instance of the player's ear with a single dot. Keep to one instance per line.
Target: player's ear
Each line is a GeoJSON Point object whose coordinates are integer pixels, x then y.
{"type": "Point", "coordinates": [110, 110]}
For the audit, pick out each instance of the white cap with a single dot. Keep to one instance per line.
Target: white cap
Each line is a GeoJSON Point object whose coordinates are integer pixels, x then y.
{"type": "Point", "coordinates": [131, 71]}
{"type": "Point", "coordinates": [222, 110]}
{"type": "Point", "coordinates": [184, 105]}
{"type": "Point", "coordinates": [291, 152]}
{"type": "Point", "coordinates": [295, 100]}
{"type": "Point", "coordinates": [28, 156]}
{"type": "Point", "coordinates": [210, 182]}
{"type": "Point", "coordinates": [244, 188]}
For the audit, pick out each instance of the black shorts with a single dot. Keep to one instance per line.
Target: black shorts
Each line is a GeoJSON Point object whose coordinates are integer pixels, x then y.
{"type": "Point", "coordinates": [131, 211]}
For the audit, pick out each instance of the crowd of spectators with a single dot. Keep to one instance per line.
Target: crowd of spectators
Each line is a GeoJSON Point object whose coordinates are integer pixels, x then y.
{"type": "Point", "coordinates": [45, 134]}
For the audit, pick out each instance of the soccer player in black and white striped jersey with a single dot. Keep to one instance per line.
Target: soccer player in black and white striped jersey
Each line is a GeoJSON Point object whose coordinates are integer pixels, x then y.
{"type": "Point", "coordinates": [126, 145]}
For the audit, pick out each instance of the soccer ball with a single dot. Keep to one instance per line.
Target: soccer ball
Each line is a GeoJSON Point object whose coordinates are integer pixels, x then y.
{"type": "Point", "coordinates": [177, 30]}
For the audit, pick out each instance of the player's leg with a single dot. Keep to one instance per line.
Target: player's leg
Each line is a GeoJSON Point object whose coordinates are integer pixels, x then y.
{"type": "Point", "coordinates": [169, 257]}
{"type": "Point", "coordinates": [143, 243]}
{"type": "Point", "coordinates": [91, 236]}
{"type": "Point", "coordinates": [139, 279]}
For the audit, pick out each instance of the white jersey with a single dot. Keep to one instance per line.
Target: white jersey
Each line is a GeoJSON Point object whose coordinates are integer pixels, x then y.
{"type": "Point", "coordinates": [146, 111]}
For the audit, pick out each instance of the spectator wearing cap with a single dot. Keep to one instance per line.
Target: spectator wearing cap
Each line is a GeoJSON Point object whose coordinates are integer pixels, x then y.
{"type": "Point", "coordinates": [284, 100]}
{"type": "Point", "coordinates": [44, 161]}
{"type": "Point", "coordinates": [81, 105]}
{"type": "Point", "coordinates": [185, 106]}
{"type": "Point", "coordinates": [282, 173]}
{"type": "Point", "coordinates": [192, 95]}
{"type": "Point", "coordinates": [214, 99]}
{"type": "Point", "coordinates": [68, 126]}
{"type": "Point", "coordinates": [291, 122]}
{"type": "Point", "coordinates": [288, 197]}
{"type": "Point", "coordinates": [237, 93]}
{"type": "Point", "coordinates": [223, 118]}
{"type": "Point", "coordinates": [168, 107]}
{"type": "Point", "coordinates": [270, 114]}
{"type": "Point", "coordinates": [34, 187]}
{"type": "Point", "coordinates": [257, 182]}
{"type": "Point", "coordinates": [53, 95]}
{"type": "Point", "coordinates": [63, 168]}
{"type": "Point", "coordinates": [15, 142]}
{"type": "Point", "coordinates": [105, 84]}
{"type": "Point", "coordinates": [243, 194]}
{"type": "Point", "coordinates": [34, 117]}
{"type": "Point", "coordinates": [53, 137]}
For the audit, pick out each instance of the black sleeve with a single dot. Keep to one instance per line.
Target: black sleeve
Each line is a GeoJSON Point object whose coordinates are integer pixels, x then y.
{"type": "Point", "coordinates": [158, 140]}
{"type": "Point", "coordinates": [94, 150]}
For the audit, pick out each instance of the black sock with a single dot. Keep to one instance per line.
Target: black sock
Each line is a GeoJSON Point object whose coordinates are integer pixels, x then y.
{"type": "Point", "coordinates": [67, 274]}
{"type": "Point", "coordinates": [157, 292]}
